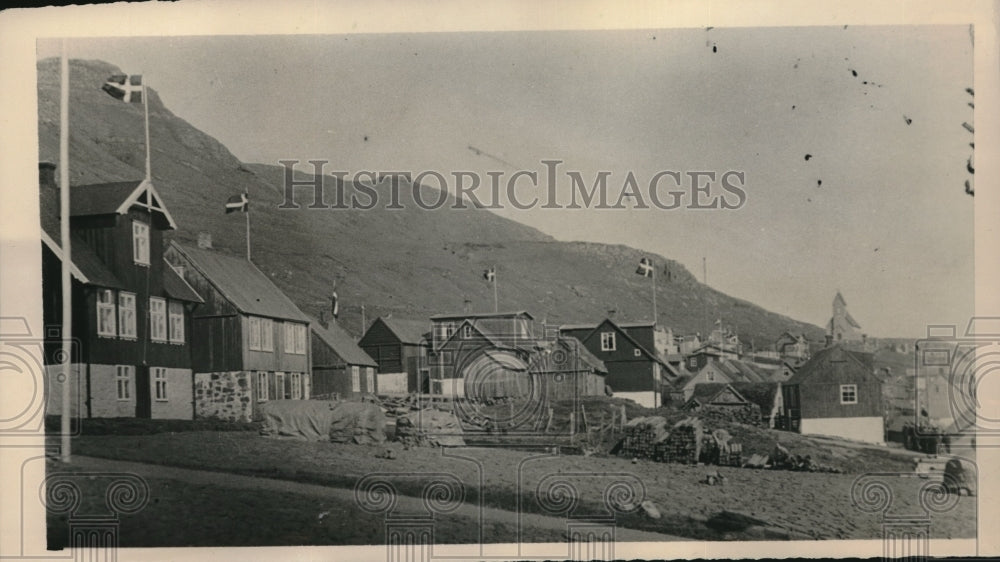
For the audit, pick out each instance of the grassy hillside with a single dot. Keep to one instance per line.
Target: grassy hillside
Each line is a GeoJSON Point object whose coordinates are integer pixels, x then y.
{"type": "Point", "coordinates": [410, 263]}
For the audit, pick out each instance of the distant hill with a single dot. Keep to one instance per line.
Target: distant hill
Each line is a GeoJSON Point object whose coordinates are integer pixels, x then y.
{"type": "Point", "coordinates": [409, 263]}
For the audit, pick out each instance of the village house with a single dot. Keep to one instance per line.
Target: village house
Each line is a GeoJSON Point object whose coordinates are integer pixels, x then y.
{"type": "Point", "coordinates": [487, 353]}
{"type": "Point", "coordinates": [253, 342]}
{"type": "Point", "coordinates": [837, 393]}
{"type": "Point", "coordinates": [399, 347]}
{"type": "Point", "coordinates": [131, 311]}
{"type": "Point", "coordinates": [634, 371]}
{"type": "Point", "coordinates": [340, 369]}
{"type": "Point", "coordinates": [728, 371]}
{"type": "Point", "coordinates": [790, 346]}
{"type": "Point", "coordinates": [766, 396]}
{"type": "Point", "coordinates": [697, 359]}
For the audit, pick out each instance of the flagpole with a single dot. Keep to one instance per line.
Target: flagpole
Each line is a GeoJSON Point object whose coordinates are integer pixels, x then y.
{"type": "Point", "coordinates": [67, 295]}
{"type": "Point", "coordinates": [246, 194]}
{"type": "Point", "coordinates": [145, 110]}
{"type": "Point", "coordinates": [496, 298]}
{"type": "Point", "coordinates": [654, 296]}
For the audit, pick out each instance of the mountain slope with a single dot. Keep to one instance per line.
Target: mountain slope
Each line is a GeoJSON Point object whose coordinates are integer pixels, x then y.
{"type": "Point", "coordinates": [410, 262]}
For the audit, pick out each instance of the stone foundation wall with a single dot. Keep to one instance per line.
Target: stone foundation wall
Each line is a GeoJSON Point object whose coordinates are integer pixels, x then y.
{"type": "Point", "coordinates": [225, 396]}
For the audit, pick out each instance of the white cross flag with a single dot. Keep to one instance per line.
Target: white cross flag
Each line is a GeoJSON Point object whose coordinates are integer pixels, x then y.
{"type": "Point", "coordinates": [124, 87]}
{"type": "Point", "coordinates": [645, 267]}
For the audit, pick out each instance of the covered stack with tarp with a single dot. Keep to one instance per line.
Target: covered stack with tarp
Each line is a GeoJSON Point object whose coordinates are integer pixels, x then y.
{"type": "Point", "coordinates": [429, 427]}
{"type": "Point", "coordinates": [306, 420]}
{"type": "Point", "coordinates": [357, 422]}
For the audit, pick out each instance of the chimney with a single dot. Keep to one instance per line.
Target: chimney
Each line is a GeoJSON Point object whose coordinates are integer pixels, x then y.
{"type": "Point", "coordinates": [47, 175]}
{"type": "Point", "coordinates": [205, 240]}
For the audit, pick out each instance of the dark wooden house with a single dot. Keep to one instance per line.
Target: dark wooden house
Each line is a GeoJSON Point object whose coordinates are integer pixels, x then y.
{"type": "Point", "coordinates": [340, 369]}
{"type": "Point", "coordinates": [634, 370]}
{"type": "Point", "coordinates": [253, 342]}
{"type": "Point", "coordinates": [837, 392]}
{"type": "Point", "coordinates": [131, 311]}
{"type": "Point", "coordinates": [399, 347]}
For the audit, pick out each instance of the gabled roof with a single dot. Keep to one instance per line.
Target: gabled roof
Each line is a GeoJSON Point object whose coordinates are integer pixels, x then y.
{"type": "Point", "coordinates": [456, 334]}
{"type": "Point", "coordinates": [463, 316]}
{"type": "Point", "coordinates": [176, 287]}
{"type": "Point", "coordinates": [708, 349]}
{"type": "Point", "coordinates": [739, 371]}
{"type": "Point", "coordinates": [706, 393]}
{"type": "Point", "coordinates": [645, 352]}
{"type": "Point", "coordinates": [583, 354]}
{"type": "Point", "coordinates": [342, 344]}
{"type": "Point", "coordinates": [624, 325]}
{"type": "Point", "coordinates": [85, 265]}
{"type": "Point", "coordinates": [826, 362]}
{"type": "Point", "coordinates": [117, 198]}
{"type": "Point", "coordinates": [407, 331]}
{"type": "Point", "coordinates": [761, 393]}
{"type": "Point", "coordinates": [242, 284]}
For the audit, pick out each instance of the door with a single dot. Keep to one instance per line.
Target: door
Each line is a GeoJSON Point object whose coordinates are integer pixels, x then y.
{"type": "Point", "coordinates": [143, 400]}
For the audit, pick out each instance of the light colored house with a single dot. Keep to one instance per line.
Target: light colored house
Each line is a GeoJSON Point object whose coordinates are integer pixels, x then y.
{"type": "Point", "coordinates": [729, 371]}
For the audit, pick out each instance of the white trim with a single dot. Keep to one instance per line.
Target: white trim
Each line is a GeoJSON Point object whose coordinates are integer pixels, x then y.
{"type": "Point", "coordinates": [163, 316]}
{"type": "Point", "coordinates": [156, 383]}
{"type": "Point", "coordinates": [145, 186]}
{"type": "Point", "coordinates": [48, 241]}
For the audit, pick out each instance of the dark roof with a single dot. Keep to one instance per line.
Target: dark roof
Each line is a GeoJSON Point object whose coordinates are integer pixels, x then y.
{"type": "Point", "coordinates": [342, 344]}
{"type": "Point", "coordinates": [620, 325]}
{"type": "Point", "coordinates": [100, 199]}
{"type": "Point", "coordinates": [576, 347]}
{"type": "Point", "coordinates": [826, 362]}
{"type": "Point", "coordinates": [242, 284]}
{"type": "Point", "coordinates": [481, 315]}
{"type": "Point", "coordinates": [408, 331]}
{"type": "Point", "coordinates": [176, 287]}
{"type": "Point", "coordinates": [706, 392]}
{"type": "Point", "coordinates": [645, 352]}
{"type": "Point", "coordinates": [115, 198]}
{"type": "Point", "coordinates": [89, 268]}
{"type": "Point", "coordinates": [760, 393]}
{"type": "Point", "coordinates": [738, 371]}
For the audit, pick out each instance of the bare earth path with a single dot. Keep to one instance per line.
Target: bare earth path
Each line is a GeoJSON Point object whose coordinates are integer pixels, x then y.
{"type": "Point", "coordinates": [406, 504]}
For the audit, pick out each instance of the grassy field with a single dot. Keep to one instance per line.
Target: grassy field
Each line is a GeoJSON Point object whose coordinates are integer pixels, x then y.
{"type": "Point", "coordinates": [184, 514]}
{"type": "Point", "coordinates": [754, 504]}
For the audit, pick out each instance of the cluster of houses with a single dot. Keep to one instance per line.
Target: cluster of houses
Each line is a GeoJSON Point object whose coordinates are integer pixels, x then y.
{"type": "Point", "coordinates": [171, 330]}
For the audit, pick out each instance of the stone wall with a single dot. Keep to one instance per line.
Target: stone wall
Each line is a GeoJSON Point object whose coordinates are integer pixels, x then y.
{"type": "Point", "coordinates": [224, 396]}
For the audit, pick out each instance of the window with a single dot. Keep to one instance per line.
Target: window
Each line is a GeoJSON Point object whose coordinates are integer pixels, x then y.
{"type": "Point", "coordinates": [123, 381]}
{"type": "Point", "coordinates": [289, 331]}
{"type": "Point", "coordinates": [693, 362]}
{"type": "Point", "coordinates": [157, 319]}
{"type": "Point", "coordinates": [711, 376]}
{"type": "Point", "coordinates": [607, 341]}
{"type": "Point", "coordinates": [636, 352]}
{"type": "Point", "coordinates": [126, 315]}
{"type": "Point", "coordinates": [296, 386]}
{"type": "Point", "coordinates": [355, 378]}
{"type": "Point", "coordinates": [279, 386]}
{"type": "Point", "coordinates": [140, 243]}
{"type": "Point", "coordinates": [848, 394]}
{"type": "Point", "coordinates": [466, 332]}
{"type": "Point", "coordinates": [160, 384]}
{"type": "Point", "coordinates": [300, 339]}
{"type": "Point", "coordinates": [266, 334]}
{"type": "Point", "coordinates": [254, 337]}
{"type": "Point", "coordinates": [370, 380]}
{"type": "Point", "coordinates": [262, 387]}
{"type": "Point", "coordinates": [176, 311]}
{"type": "Point", "coordinates": [106, 313]}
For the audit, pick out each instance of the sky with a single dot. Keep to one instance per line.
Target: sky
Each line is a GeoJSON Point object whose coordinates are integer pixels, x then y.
{"type": "Point", "coordinates": [889, 225]}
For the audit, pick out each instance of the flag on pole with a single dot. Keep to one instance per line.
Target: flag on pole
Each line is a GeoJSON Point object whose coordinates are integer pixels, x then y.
{"type": "Point", "coordinates": [237, 203]}
{"type": "Point", "coordinates": [127, 88]}
{"type": "Point", "coordinates": [645, 267]}
{"type": "Point", "coordinates": [335, 304]}
{"type": "Point", "coordinates": [490, 274]}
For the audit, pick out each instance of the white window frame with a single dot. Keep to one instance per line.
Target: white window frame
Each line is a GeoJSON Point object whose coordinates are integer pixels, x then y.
{"type": "Point", "coordinates": [159, 384]}
{"type": "Point", "coordinates": [608, 342]}
{"type": "Point", "coordinates": [158, 319]}
{"type": "Point", "coordinates": [123, 382]}
{"type": "Point", "coordinates": [126, 316]}
{"type": "Point", "coordinates": [279, 386]}
{"type": "Point", "coordinates": [262, 391]}
{"type": "Point", "coordinates": [300, 339]}
{"type": "Point", "coordinates": [140, 243]}
{"type": "Point", "coordinates": [253, 337]}
{"type": "Point", "coordinates": [370, 380]}
{"type": "Point", "coordinates": [175, 323]}
{"type": "Point", "coordinates": [296, 386]}
{"type": "Point", "coordinates": [848, 390]}
{"type": "Point", "coordinates": [355, 378]}
{"type": "Point", "coordinates": [103, 329]}
{"type": "Point", "coordinates": [266, 334]}
{"type": "Point", "coordinates": [637, 352]}
{"type": "Point", "coordinates": [289, 331]}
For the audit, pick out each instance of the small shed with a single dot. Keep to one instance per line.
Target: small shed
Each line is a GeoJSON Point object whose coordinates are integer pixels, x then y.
{"type": "Point", "coordinates": [341, 369]}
